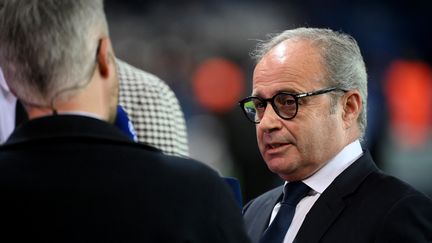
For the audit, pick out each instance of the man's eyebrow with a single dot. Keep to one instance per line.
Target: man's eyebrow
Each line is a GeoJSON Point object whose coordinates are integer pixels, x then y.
{"type": "Point", "coordinates": [282, 90]}
{"type": "Point", "coordinates": [259, 94]}
{"type": "Point", "coordinates": [290, 90]}
{"type": "Point", "coordinates": [255, 94]}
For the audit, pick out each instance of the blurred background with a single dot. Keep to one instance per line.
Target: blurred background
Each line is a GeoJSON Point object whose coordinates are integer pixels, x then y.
{"type": "Point", "coordinates": [201, 49]}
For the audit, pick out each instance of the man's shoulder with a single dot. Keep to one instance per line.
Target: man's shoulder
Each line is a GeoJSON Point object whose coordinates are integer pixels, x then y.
{"type": "Point", "coordinates": [363, 179]}
{"type": "Point", "coordinates": [185, 166]}
{"type": "Point", "coordinates": [139, 156]}
{"type": "Point", "coordinates": [105, 149]}
{"type": "Point", "coordinates": [389, 188]}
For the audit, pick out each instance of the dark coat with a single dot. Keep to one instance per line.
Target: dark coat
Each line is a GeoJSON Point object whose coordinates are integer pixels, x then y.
{"type": "Point", "coordinates": [361, 205]}
{"type": "Point", "coordinates": [71, 178]}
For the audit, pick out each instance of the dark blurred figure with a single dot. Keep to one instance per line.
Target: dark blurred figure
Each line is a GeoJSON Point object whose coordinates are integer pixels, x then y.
{"type": "Point", "coordinates": [69, 175]}
{"type": "Point", "coordinates": [309, 106]}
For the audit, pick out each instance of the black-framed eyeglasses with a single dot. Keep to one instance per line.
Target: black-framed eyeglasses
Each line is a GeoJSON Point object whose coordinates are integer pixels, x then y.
{"type": "Point", "coordinates": [285, 104]}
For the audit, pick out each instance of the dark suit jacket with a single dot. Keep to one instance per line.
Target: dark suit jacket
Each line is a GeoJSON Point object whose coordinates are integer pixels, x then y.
{"type": "Point", "coordinates": [78, 179]}
{"type": "Point", "coordinates": [361, 205]}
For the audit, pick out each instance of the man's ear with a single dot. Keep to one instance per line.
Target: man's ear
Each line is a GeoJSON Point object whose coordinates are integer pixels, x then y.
{"type": "Point", "coordinates": [352, 106]}
{"type": "Point", "coordinates": [104, 57]}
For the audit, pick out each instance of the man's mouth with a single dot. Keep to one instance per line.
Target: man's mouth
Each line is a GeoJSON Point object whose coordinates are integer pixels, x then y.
{"type": "Point", "coordinates": [275, 146]}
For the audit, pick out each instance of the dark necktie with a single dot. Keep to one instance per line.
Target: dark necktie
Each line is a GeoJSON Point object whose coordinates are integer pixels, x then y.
{"type": "Point", "coordinates": [293, 193]}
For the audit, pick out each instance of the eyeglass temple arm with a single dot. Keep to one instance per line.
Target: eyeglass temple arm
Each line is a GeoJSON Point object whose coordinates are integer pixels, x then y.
{"type": "Point", "coordinates": [319, 92]}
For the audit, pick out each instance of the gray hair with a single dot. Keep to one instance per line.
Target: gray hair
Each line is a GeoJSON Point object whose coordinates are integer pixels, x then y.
{"type": "Point", "coordinates": [342, 59]}
{"type": "Point", "coordinates": [48, 47]}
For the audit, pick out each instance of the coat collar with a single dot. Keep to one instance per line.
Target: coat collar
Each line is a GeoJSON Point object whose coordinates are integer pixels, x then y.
{"type": "Point", "coordinates": [69, 127]}
{"type": "Point", "coordinates": [331, 203]}
{"type": "Point", "coordinates": [257, 212]}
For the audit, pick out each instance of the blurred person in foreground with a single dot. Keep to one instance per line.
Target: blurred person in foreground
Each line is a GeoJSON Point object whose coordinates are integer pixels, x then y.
{"type": "Point", "coordinates": [67, 174]}
{"type": "Point", "coordinates": [151, 105]}
{"type": "Point", "coordinates": [309, 106]}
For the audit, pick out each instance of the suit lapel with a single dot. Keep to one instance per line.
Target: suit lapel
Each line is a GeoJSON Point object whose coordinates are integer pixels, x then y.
{"type": "Point", "coordinates": [257, 213]}
{"type": "Point", "coordinates": [331, 203]}
{"type": "Point", "coordinates": [69, 127]}
{"type": "Point", "coordinates": [322, 214]}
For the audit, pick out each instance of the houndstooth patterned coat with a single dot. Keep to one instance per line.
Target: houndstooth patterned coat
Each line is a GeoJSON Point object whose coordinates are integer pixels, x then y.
{"type": "Point", "coordinates": [153, 109]}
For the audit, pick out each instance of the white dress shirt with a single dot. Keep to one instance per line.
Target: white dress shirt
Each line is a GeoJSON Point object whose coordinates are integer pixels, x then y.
{"type": "Point", "coordinates": [318, 182]}
{"type": "Point", "coordinates": [7, 110]}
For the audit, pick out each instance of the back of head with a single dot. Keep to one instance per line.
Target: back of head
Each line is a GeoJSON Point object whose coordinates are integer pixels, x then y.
{"type": "Point", "coordinates": [48, 47]}
{"type": "Point", "coordinates": [342, 59]}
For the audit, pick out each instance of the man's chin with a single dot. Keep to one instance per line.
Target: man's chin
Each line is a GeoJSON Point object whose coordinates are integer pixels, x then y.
{"type": "Point", "coordinates": [278, 166]}
{"type": "Point", "coordinates": [287, 170]}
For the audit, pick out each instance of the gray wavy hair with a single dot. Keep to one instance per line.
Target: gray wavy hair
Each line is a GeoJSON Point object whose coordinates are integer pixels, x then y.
{"type": "Point", "coordinates": [48, 47]}
{"type": "Point", "coordinates": [342, 59]}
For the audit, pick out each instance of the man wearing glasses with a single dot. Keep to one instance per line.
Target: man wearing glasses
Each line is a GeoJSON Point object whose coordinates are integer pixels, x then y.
{"type": "Point", "coordinates": [309, 107]}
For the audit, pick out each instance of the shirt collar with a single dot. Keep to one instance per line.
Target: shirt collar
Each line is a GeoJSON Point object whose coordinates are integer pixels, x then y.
{"type": "Point", "coordinates": [3, 84]}
{"type": "Point", "coordinates": [325, 176]}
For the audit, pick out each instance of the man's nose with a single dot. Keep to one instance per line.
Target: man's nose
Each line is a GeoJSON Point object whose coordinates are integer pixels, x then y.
{"type": "Point", "coordinates": [270, 119]}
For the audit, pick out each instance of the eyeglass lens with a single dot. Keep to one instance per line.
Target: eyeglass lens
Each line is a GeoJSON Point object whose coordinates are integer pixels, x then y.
{"type": "Point", "coordinates": [285, 105]}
